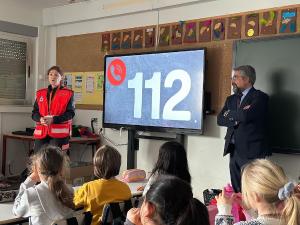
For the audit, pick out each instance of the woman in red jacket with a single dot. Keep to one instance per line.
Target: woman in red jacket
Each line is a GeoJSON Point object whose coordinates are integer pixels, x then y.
{"type": "Point", "coordinates": [53, 111]}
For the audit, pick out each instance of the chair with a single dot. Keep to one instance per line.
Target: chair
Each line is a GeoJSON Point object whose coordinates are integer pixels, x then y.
{"type": "Point", "coordinates": [80, 218]}
{"type": "Point", "coordinates": [115, 213]}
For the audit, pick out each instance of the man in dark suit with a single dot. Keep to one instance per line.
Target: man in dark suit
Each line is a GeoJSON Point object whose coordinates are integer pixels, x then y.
{"type": "Point", "coordinates": [245, 116]}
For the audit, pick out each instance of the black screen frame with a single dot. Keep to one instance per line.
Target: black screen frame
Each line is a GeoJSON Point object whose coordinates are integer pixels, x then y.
{"type": "Point", "coordinates": [155, 128]}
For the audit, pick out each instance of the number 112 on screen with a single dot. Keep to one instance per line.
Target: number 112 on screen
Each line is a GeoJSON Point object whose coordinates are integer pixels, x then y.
{"type": "Point", "coordinates": [155, 85]}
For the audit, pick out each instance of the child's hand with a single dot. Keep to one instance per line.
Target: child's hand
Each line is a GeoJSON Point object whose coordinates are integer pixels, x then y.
{"type": "Point", "coordinates": [237, 197]}
{"type": "Point", "coordinates": [222, 199]}
{"type": "Point", "coordinates": [133, 215]}
{"type": "Point", "coordinates": [34, 174]}
{"type": "Point", "coordinates": [140, 188]}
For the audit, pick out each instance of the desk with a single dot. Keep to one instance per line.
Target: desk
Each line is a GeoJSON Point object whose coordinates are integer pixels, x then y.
{"type": "Point", "coordinates": [94, 141]}
{"type": "Point", "coordinates": [7, 217]}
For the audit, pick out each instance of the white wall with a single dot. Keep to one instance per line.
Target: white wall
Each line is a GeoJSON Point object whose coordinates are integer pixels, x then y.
{"type": "Point", "coordinates": [208, 167]}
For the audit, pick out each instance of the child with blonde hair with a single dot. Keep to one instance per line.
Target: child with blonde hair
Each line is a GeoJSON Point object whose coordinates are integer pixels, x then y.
{"type": "Point", "coordinates": [267, 190]}
{"type": "Point", "coordinates": [51, 199]}
{"type": "Point", "coordinates": [95, 194]}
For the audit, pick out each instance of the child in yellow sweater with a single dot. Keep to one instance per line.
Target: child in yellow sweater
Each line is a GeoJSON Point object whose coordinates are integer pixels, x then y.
{"type": "Point", "coordinates": [95, 194]}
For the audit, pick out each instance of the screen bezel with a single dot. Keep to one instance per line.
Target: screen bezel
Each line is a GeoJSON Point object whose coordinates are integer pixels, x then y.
{"type": "Point", "coordinates": [154, 128]}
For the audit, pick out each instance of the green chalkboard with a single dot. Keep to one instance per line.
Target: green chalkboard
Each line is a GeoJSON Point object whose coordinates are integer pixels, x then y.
{"type": "Point", "coordinates": [277, 64]}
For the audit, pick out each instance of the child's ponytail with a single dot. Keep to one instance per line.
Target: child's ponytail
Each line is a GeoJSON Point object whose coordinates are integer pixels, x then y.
{"type": "Point", "coordinates": [291, 211]}
{"type": "Point", "coordinates": [60, 189]}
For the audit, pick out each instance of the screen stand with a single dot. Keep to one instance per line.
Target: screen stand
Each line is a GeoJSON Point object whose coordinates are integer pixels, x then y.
{"type": "Point", "coordinates": [133, 145]}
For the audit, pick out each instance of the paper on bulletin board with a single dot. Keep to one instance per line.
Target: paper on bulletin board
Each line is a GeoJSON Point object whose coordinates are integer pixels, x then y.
{"type": "Point", "coordinates": [87, 87]}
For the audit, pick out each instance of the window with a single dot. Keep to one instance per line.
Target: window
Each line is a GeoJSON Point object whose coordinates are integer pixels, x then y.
{"type": "Point", "coordinates": [15, 57]}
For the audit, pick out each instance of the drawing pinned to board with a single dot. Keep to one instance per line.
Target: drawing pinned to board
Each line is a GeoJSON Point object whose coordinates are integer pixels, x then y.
{"type": "Point", "coordinates": [234, 27]}
{"type": "Point", "coordinates": [218, 29]}
{"type": "Point", "coordinates": [78, 81]}
{"type": "Point", "coordinates": [105, 46]}
{"type": "Point", "coordinates": [190, 35]}
{"type": "Point", "coordinates": [126, 40]}
{"type": "Point", "coordinates": [177, 31]}
{"type": "Point", "coordinates": [138, 38]}
{"type": "Point", "coordinates": [252, 25]}
{"type": "Point", "coordinates": [164, 36]}
{"type": "Point", "coordinates": [288, 21]}
{"type": "Point", "coordinates": [116, 41]}
{"type": "Point", "coordinates": [268, 23]}
{"type": "Point", "coordinates": [205, 31]}
{"type": "Point", "coordinates": [150, 37]}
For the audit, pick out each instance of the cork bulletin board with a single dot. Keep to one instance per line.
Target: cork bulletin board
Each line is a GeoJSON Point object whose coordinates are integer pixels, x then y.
{"type": "Point", "coordinates": [85, 53]}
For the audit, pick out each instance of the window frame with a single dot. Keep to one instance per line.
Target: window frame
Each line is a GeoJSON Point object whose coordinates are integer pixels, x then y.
{"type": "Point", "coordinates": [29, 80]}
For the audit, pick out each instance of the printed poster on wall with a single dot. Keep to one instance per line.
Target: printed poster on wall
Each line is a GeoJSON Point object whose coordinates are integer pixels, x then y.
{"type": "Point", "coordinates": [68, 81]}
{"type": "Point", "coordinates": [90, 84]}
{"type": "Point", "coordinates": [78, 81]}
{"type": "Point", "coordinates": [99, 80]}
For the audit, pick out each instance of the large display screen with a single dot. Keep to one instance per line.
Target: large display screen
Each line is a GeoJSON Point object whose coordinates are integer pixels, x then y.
{"type": "Point", "coordinates": [160, 91]}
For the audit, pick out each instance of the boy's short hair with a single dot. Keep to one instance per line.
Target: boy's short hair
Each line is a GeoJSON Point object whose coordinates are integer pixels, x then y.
{"type": "Point", "coordinates": [107, 162]}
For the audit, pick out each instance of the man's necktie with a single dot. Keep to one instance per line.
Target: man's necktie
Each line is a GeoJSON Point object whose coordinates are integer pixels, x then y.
{"type": "Point", "coordinates": [239, 97]}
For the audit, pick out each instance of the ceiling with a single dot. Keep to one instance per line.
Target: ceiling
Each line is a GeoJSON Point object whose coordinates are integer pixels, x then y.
{"type": "Point", "coordinates": [43, 3]}
{"type": "Point", "coordinates": [52, 3]}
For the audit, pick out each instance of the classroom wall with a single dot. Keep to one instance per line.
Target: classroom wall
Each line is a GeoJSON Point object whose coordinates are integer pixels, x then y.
{"type": "Point", "coordinates": [208, 167]}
